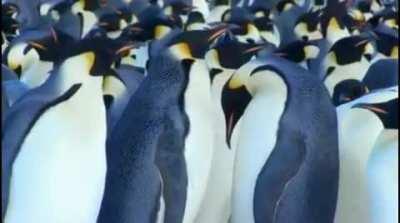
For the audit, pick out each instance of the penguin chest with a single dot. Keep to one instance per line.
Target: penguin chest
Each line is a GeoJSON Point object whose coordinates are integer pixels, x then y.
{"type": "Point", "coordinates": [257, 139]}
{"type": "Point", "coordinates": [358, 130]}
{"type": "Point", "coordinates": [199, 140]}
{"type": "Point", "coordinates": [383, 177]}
{"type": "Point", "coordinates": [59, 173]}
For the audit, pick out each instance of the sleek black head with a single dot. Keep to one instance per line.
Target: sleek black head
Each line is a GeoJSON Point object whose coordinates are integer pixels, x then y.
{"type": "Point", "coordinates": [386, 111]}
{"type": "Point", "coordinates": [298, 51]}
{"type": "Point", "coordinates": [103, 56]}
{"type": "Point", "coordinates": [194, 44]}
{"type": "Point", "coordinates": [232, 54]}
{"type": "Point", "coordinates": [352, 49]}
{"type": "Point", "coordinates": [348, 90]}
{"type": "Point", "coordinates": [308, 26]}
{"type": "Point", "coordinates": [153, 24]}
{"type": "Point", "coordinates": [387, 44]}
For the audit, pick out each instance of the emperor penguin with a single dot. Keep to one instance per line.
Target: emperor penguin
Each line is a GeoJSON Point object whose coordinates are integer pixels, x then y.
{"type": "Point", "coordinates": [227, 55]}
{"type": "Point", "coordinates": [53, 159]}
{"type": "Point", "coordinates": [134, 185]}
{"type": "Point", "coordinates": [348, 58]}
{"type": "Point", "coordinates": [295, 125]}
{"type": "Point", "coordinates": [196, 105]}
{"type": "Point", "coordinates": [368, 184]}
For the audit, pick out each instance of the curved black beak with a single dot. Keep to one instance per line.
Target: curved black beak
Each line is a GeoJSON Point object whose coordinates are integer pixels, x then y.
{"type": "Point", "coordinates": [234, 103]}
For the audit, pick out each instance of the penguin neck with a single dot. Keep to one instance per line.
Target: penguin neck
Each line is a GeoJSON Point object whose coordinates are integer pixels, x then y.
{"type": "Point", "coordinates": [78, 75]}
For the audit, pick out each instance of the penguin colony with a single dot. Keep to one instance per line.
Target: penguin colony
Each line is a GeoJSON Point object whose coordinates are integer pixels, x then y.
{"type": "Point", "coordinates": [175, 111]}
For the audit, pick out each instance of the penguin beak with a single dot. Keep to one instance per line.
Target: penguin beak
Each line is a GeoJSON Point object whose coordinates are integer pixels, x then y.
{"type": "Point", "coordinates": [234, 103]}
{"type": "Point", "coordinates": [371, 108]}
{"type": "Point", "coordinates": [218, 31]}
{"type": "Point", "coordinates": [256, 48]}
{"type": "Point", "coordinates": [37, 45]}
{"type": "Point", "coordinates": [124, 51]}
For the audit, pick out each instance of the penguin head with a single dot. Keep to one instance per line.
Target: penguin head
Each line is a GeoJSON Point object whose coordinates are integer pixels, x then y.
{"type": "Point", "coordinates": [152, 24]}
{"type": "Point", "coordinates": [10, 26]}
{"type": "Point", "coordinates": [348, 90]}
{"type": "Point", "coordinates": [195, 20]}
{"type": "Point", "coordinates": [245, 29]}
{"type": "Point", "coordinates": [285, 5]}
{"type": "Point", "coordinates": [178, 10]}
{"type": "Point", "coordinates": [194, 44]}
{"type": "Point", "coordinates": [387, 44]}
{"type": "Point", "coordinates": [299, 51]}
{"type": "Point", "coordinates": [308, 26]}
{"type": "Point", "coordinates": [347, 51]}
{"type": "Point", "coordinates": [86, 5]}
{"type": "Point", "coordinates": [229, 53]}
{"type": "Point", "coordinates": [112, 22]}
{"type": "Point", "coordinates": [386, 111]}
{"type": "Point", "coordinates": [243, 85]}
{"type": "Point", "coordinates": [21, 54]}
{"type": "Point", "coordinates": [55, 11]}
{"type": "Point", "coordinates": [9, 9]}
{"type": "Point", "coordinates": [97, 58]}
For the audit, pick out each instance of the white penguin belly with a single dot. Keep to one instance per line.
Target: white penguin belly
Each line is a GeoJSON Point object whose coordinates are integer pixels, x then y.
{"type": "Point", "coordinates": [216, 206]}
{"type": "Point", "coordinates": [383, 178]}
{"type": "Point", "coordinates": [59, 173]}
{"type": "Point", "coordinates": [199, 141]}
{"type": "Point", "coordinates": [355, 146]}
{"type": "Point", "coordinates": [257, 138]}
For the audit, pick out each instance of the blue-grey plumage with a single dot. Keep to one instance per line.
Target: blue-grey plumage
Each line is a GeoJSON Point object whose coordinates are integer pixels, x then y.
{"type": "Point", "coordinates": [307, 141]}
{"type": "Point", "coordinates": [383, 73]}
{"type": "Point", "coordinates": [14, 89]}
{"type": "Point", "coordinates": [7, 74]}
{"type": "Point", "coordinates": [171, 162]}
{"type": "Point", "coordinates": [305, 188]}
{"type": "Point", "coordinates": [286, 22]}
{"type": "Point", "coordinates": [133, 182]}
{"type": "Point", "coordinates": [119, 90]}
{"type": "Point", "coordinates": [28, 15]}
